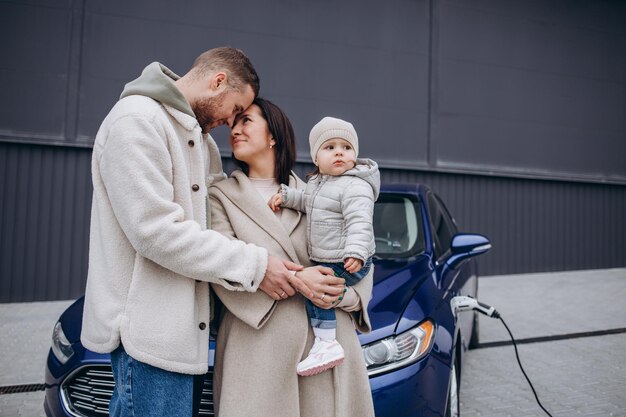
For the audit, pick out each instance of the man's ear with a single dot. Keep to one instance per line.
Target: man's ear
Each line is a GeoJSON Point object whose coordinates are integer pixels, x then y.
{"type": "Point", "coordinates": [219, 81]}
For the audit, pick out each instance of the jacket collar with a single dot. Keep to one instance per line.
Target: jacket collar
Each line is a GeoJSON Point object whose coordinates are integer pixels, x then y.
{"type": "Point", "coordinates": [249, 201]}
{"type": "Point", "coordinates": [186, 121]}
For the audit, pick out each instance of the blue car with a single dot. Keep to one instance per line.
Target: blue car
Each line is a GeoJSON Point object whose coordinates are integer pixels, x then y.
{"type": "Point", "coordinates": [414, 353]}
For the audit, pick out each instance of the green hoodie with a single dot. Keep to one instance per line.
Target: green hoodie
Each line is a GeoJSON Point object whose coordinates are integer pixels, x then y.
{"type": "Point", "coordinates": [157, 82]}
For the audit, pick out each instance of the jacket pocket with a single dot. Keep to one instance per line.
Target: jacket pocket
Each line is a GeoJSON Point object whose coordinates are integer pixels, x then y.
{"type": "Point", "coordinates": [328, 235]}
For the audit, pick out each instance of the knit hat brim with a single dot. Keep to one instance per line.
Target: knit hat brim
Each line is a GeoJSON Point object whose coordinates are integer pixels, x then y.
{"type": "Point", "coordinates": [330, 128]}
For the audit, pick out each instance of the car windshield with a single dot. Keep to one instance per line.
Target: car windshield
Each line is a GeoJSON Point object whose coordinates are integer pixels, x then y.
{"type": "Point", "coordinates": [397, 227]}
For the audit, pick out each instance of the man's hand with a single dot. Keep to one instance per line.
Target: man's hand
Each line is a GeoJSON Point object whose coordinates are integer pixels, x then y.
{"type": "Point", "coordinates": [278, 282]}
{"type": "Point", "coordinates": [327, 289]}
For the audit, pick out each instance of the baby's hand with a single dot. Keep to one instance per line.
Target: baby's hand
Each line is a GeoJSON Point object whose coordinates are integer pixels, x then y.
{"type": "Point", "coordinates": [276, 201]}
{"type": "Point", "coordinates": [352, 265]}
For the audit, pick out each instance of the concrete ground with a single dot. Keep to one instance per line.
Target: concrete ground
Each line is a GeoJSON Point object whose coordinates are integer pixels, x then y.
{"type": "Point", "coordinates": [26, 330]}
{"type": "Point", "coordinates": [579, 370]}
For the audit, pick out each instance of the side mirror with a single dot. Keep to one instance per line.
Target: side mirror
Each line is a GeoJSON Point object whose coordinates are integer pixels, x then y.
{"type": "Point", "coordinates": [465, 246]}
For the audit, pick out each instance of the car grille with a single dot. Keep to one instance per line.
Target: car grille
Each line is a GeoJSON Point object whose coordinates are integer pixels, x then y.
{"type": "Point", "coordinates": [87, 392]}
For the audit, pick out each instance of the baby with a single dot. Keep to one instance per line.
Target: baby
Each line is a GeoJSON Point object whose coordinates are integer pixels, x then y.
{"type": "Point", "coordinates": [339, 201]}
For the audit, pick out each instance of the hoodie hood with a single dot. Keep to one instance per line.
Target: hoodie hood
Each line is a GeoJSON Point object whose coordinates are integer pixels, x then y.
{"type": "Point", "coordinates": [157, 82]}
{"type": "Point", "coordinates": [367, 170]}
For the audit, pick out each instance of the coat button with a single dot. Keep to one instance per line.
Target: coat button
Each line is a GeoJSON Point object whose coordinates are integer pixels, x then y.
{"type": "Point", "coordinates": [191, 143]}
{"type": "Point", "coordinates": [202, 326]}
{"type": "Point", "coordinates": [195, 187]}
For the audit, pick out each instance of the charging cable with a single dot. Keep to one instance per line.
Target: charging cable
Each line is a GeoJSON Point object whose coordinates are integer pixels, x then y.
{"type": "Point", "coordinates": [467, 303]}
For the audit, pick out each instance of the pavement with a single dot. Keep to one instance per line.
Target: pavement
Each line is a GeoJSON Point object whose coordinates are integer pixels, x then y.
{"type": "Point", "coordinates": [576, 364]}
{"type": "Point", "coordinates": [570, 328]}
{"type": "Point", "coordinates": [26, 330]}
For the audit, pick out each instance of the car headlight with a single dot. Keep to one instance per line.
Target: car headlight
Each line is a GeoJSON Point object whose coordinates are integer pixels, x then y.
{"type": "Point", "coordinates": [399, 351]}
{"type": "Point", "coordinates": [61, 347]}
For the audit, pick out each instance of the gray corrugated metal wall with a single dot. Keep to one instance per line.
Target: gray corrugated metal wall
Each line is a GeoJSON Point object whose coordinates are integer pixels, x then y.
{"type": "Point", "coordinates": [45, 195]}
{"type": "Point", "coordinates": [481, 86]}
{"type": "Point", "coordinates": [534, 225]}
{"type": "Point", "coordinates": [512, 111]}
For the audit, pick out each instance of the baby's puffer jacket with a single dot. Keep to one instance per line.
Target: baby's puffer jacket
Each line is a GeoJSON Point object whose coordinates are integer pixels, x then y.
{"type": "Point", "coordinates": [339, 212]}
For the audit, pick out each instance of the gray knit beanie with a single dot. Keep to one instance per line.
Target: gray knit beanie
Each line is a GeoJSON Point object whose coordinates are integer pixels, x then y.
{"type": "Point", "coordinates": [329, 128]}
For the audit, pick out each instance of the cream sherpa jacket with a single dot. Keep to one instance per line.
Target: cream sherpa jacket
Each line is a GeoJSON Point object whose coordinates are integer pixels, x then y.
{"type": "Point", "coordinates": [151, 256]}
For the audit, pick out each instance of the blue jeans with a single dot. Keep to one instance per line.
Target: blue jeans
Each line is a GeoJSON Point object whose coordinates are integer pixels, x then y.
{"type": "Point", "coordinates": [326, 319]}
{"type": "Point", "coordinates": [145, 391]}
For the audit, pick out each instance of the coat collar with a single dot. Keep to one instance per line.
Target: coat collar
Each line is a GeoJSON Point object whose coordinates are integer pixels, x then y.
{"type": "Point", "coordinates": [249, 201]}
{"type": "Point", "coordinates": [186, 121]}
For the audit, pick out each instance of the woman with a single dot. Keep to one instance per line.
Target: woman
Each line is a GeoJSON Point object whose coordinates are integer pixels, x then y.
{"type": "Point", "coordinates": [261, 339]}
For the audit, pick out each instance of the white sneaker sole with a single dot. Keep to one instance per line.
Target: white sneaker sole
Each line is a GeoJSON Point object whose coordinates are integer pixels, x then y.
{"type": "Point", "coordinates": [320, 368]}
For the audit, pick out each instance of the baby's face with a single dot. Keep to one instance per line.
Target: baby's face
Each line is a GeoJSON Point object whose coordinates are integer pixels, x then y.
{"type": "Point", "coordinates": [335, 157]}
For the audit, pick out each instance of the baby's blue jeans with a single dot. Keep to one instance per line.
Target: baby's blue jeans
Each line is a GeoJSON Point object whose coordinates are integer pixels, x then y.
{"type": "Point", "coordinates": [326, 319]}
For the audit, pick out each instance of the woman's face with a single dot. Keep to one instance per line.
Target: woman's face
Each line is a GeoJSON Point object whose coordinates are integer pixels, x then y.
{"type": "Point", "coordinates": [250, 137]}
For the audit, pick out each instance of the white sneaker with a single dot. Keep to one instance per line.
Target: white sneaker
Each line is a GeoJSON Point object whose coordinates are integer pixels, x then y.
{"type": "Point", "coordinates": [325, 354]}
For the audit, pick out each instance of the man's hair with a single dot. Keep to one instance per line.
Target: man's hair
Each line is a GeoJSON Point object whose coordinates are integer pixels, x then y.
{"type": "Point", "coordinates": [233, 62]}
{"type": "Point", "coordinates": [282, 131]}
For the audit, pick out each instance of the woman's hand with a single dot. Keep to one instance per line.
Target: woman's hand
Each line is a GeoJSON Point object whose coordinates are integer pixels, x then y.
{"type": "Point", "coordinates": [327, 289]}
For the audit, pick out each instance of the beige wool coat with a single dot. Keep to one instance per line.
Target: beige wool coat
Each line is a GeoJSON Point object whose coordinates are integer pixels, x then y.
{"type": "Point", "coordinates": [260, 340]}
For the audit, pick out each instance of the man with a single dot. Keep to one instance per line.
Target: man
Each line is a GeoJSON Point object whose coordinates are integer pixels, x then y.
{"type": "Point", "coordinates": [151, 256]}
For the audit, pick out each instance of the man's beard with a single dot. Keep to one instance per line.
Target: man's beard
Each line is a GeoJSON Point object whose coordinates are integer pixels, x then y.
{"type": "Point", "coordinates": [206, 110]}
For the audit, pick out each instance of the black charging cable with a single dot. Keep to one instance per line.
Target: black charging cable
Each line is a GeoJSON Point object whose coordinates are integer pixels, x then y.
{"type": "Point", "coordinates": [467, 303]}
{"type": "Point", "coordinates": [520, 365]}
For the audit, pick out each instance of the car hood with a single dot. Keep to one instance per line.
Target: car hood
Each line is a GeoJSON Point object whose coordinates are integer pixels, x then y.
{"type": "Point", "coordinates": [395, 284]}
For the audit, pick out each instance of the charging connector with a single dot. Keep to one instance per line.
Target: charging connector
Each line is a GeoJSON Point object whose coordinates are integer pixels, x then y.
{"type": "Point", "coordinates": [467, 303]}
